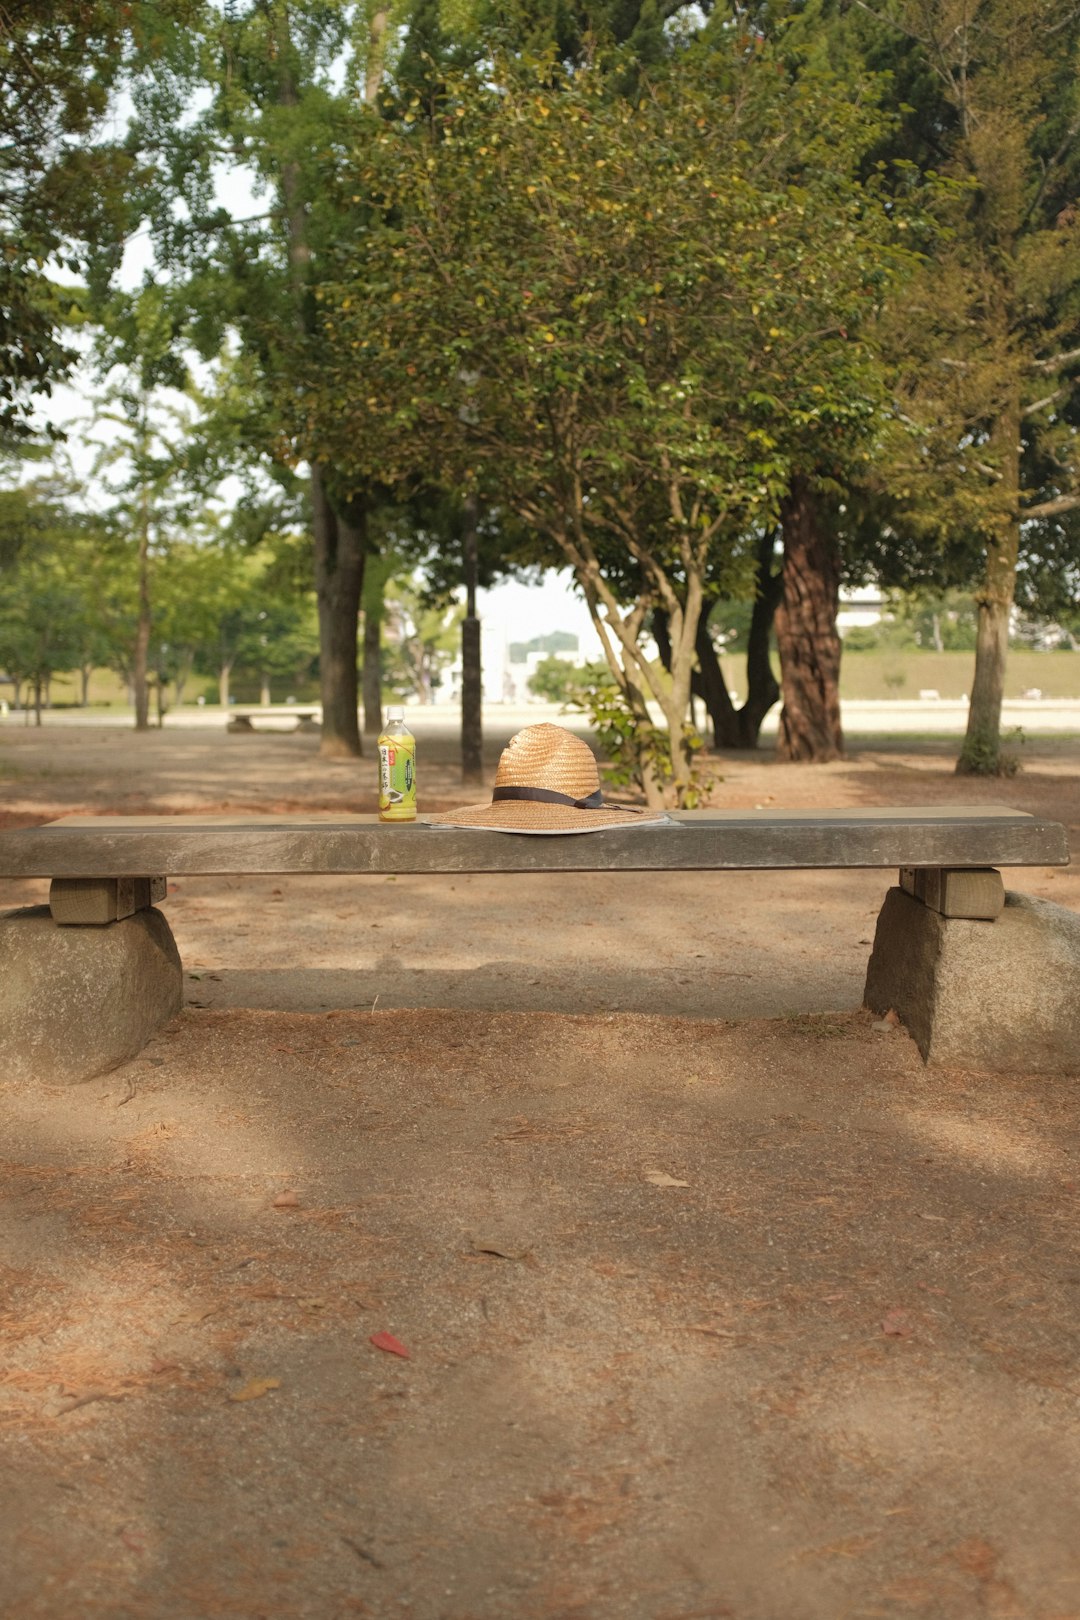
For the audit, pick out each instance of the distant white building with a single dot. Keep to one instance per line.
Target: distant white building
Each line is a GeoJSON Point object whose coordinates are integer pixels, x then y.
{"type": "Point", "coordinates": [860, 605]}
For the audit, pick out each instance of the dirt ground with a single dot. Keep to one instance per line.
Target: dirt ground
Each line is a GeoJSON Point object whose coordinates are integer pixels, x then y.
{"type": "Point", "coordinates": [716, 1302]}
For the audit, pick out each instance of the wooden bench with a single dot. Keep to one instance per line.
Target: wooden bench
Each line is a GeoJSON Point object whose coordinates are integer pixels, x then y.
{"type": "Point", "coordinates": [242, 717]}
{"type": "Point", "coordinates": [107, 869]}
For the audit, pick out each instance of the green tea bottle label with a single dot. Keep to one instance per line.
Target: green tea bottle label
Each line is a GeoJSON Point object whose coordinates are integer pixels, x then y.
{"type": "Point", "coordinates": [397, 769]}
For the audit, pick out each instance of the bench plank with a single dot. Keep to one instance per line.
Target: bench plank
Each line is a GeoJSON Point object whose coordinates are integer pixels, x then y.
{"type": "Point", "coordinates": [700, 840]}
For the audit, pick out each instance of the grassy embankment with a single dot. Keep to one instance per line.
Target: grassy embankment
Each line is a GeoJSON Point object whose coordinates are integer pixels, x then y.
{"type": "Point", "coordinates": [874, 676]}
{"type": "Point", "coordinates": [866, 676]}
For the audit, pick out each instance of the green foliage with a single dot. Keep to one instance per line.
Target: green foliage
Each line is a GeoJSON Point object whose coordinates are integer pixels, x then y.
{"type": "Point", "coordinates": [66, 183]}
{"type": "Point", "coordinates": [51, 617]}
{"type": "Point", "coordinates": [982, 468]}
{"type": "Point", "coordinates": [983, 754]}
{"type": "Point", "coordinates": [555, 679]}
{"type": "Point", "coordinates": [626, 320]}
{"type": "Point", "coordinates": [638, 753]}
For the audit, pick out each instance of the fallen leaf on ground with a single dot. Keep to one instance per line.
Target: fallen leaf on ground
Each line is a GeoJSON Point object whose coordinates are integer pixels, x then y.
{"type": "Point", "coordinates": [257, 1386]}
{"type": "Point", "coordinates": [386, 1341]}
{"type": "Point", "coordinates": [660, 1178]}
{"type": "Point", "coordinates": [197, 1313]}
{"type": "Point", "coordinates": [897, 1324]}
{"type": "Point", "coordinates": [500, 1251]}
{"type": "Point", "coordinates": [287, 1200]}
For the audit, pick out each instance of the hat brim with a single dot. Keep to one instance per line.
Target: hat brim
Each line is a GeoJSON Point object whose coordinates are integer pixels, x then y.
{"type": "Point", "coordinates": [526, 816]}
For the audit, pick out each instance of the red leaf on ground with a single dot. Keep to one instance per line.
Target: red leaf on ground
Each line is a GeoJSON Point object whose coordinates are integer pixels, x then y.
{"type": "Point", "coordinates": [386, 1341]}
{"type": "Point", "coordinates": [897, 1324]}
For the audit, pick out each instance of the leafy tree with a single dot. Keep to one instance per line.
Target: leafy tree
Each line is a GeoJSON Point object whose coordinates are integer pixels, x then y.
{"type": "Point", "coordinates": [624, 320]}
{"type": "Point", "coordinates": [554, 678]}
{"type": "Point", "coordinates": [148, 452]}
{"type": "Point", "coordinates": [275, 86]}
{"type": "Point", "coordinates": [47, 600]}
{"type": "Point", "coordinates": [64, 183]}
{"type": "Point", "coordinates": [985, 345]}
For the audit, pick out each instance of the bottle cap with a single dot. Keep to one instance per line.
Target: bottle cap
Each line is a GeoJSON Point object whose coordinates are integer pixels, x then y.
{"type": "Point", "coordinates": [395, 711]}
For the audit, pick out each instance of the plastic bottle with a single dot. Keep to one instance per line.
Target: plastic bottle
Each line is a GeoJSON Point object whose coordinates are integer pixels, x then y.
{"type": "Point", "coordinates": [397, 769]}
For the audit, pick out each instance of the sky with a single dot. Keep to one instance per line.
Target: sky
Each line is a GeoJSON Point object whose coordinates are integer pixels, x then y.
{"type": "Point", "coordinates": [528, 611]}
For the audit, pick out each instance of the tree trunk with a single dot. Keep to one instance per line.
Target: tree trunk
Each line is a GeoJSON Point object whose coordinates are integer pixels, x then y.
{"type": "Point", "coordinates": [709, 685]}
{"type": "Point", "coordinates": [981, 752]}
{"type": "Point", "coordinates": [264, 690]}
{"type": "Point", "coordinates": [472, 673]}
{"type": "Point", "coordinates": [762, 687]}
{"type": "Point", "coordinates": [224, 673]}
{"type": "Point", "coordinates": [734, 728]}
{"type": "Point", "coordinates": [375, 573]}
{"type": "Point", "coordinates": [183, 672]}
{"type": "Point", "coordinates": [85, 673]}
{"type": "Point", "coordinates": [806, 633]}
{"type": "Point", "coordinates": [340, 547]}
{"type": "Point", "coordinates": [142, 628]}
{"type": "Point", "coordinates": [37, 701]}
{"type": "Point", "coordinates": [340, 543]}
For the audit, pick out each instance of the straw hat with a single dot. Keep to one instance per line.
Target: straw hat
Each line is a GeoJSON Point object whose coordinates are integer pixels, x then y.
{"type": "Point", "coordinates": [547, 782]}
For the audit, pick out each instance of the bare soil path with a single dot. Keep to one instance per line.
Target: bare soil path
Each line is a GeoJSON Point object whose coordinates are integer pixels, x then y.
{"type": "Point", "coordinates": [717, 1303]}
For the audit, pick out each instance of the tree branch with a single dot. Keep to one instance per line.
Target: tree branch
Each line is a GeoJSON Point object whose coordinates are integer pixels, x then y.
{"type": "Point", "coordinates": [1054, 508]}
{"type": "Point", "coordinates": [1056, 362]}
{"type": "Point", "coordinates": [1040, 404]}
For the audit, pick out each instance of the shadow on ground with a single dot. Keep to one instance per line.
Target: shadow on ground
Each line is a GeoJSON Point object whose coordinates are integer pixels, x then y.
{"type": "Point", "coordinates": [756, 1320]}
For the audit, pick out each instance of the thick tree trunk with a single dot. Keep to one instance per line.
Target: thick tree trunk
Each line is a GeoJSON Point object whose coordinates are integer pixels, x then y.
{"type": "Point", "coordinates": [375, 573]}
{"type": "Point", "coordinates": [806, 633]}
{"type": "Point", "coordinates": [472, 673]}
{"type": "Point", "coordinates": [340, 547]}
{"type": "Point", "coordinates": [981, 751]}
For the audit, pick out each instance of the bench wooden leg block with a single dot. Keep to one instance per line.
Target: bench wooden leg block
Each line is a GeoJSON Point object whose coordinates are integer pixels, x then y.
{"type": "Point", "coordinates": [1001, 996]}
{"type": "Point", "coordinates": [75, 1002]}
{"type": "Point", "coordinates": [956, 891]}
{"type": "Point", "coordinates": [89, 902]}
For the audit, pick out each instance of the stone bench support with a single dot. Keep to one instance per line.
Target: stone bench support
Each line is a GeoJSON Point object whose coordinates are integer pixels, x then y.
{"type": "Point", "coordinates": [75, 1002]}
{"type": "Point", "coordinates": [998, 995]}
